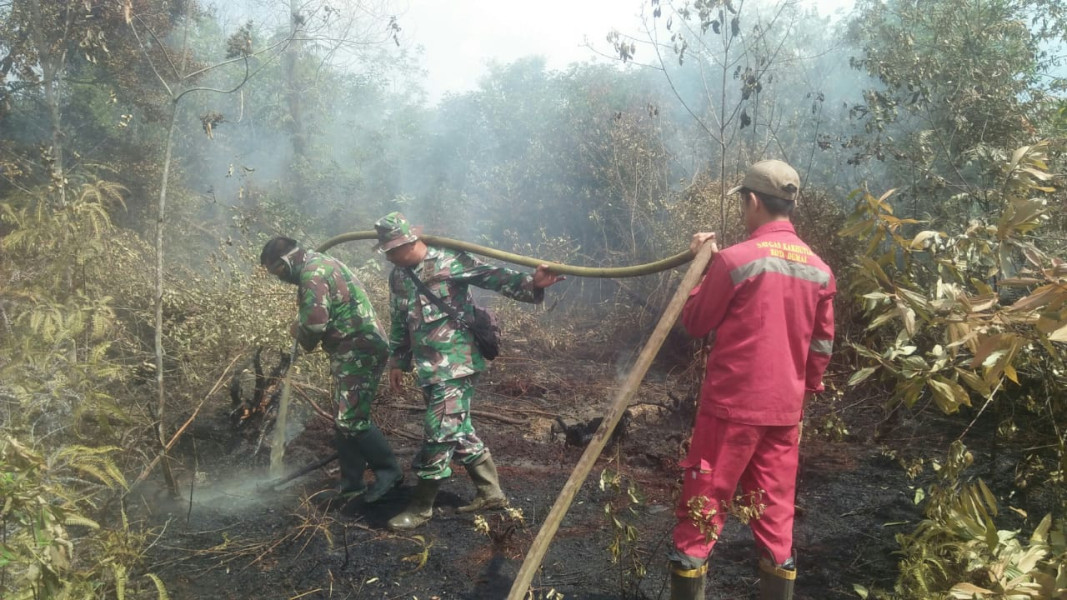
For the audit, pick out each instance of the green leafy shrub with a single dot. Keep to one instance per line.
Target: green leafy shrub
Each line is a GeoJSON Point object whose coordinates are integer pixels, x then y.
{"type": "Point", "coordinates": [59, 320]}
{"type": "Point", "coordinates": [958, 552]}
{"type": "Point", "coordinates": [66, 349]}
{"type": "Point", "coordinates": [49, 548]}
{"type": "Point", "coordinates": [963, 316]}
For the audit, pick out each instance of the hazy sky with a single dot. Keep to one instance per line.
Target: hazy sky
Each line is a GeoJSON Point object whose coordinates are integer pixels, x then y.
{"type": "Point", "coordinates": [461, 37]}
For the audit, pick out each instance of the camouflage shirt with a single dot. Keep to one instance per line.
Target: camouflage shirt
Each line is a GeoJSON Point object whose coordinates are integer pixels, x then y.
{"type": "Point", "coordinates": [334, 308]}
{"type": "Point", "coordinates": [425, 337]}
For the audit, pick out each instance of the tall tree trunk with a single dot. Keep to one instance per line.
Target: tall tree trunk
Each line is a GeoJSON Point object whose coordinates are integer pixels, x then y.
{"type": "Point", "coordinates": [294, 98]}
{"type": "Point", "coordinates": [162, 396]}
{"type": "Point", "coordinates": [722, 139]}
{"type": "Point", "coordinates": [53, 60]}
{"type": "Point", "coordinates": [59, 176]}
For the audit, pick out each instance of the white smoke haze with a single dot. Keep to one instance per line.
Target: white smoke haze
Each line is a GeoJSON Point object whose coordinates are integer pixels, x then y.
{"type": "Point", "coordinates": [462, 37]}
{"type": "Point", "coordinates": [220, 493]}
{"type": "Point", "coordinates": [406, 121]}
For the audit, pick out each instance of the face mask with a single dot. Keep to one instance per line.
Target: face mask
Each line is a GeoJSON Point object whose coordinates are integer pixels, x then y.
{"type": "Point", "coordinates": [290, 275]}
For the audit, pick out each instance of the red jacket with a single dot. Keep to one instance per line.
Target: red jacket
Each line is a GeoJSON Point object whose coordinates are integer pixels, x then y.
{"type": "Point", "coordinates": [770, 301]}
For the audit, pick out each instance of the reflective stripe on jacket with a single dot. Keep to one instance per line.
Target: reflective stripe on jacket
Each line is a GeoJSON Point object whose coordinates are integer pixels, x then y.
{"type": "Point", "coordinates": [769, 301]}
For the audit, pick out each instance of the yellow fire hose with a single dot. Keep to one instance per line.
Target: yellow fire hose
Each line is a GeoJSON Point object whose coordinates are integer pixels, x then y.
{"type": "Point", "coordinates": [604, 272]}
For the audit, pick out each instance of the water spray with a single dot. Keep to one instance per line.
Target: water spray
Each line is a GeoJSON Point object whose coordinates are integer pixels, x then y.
{"type": "Point", "coordinates": [277, 442]}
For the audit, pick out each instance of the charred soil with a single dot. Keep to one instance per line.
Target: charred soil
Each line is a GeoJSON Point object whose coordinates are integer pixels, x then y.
{"type": "Point", "coordinates": [230, 536]}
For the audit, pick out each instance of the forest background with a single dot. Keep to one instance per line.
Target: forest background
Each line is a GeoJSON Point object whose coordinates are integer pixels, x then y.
{"type": "Point", "coordinates": [148, 149]}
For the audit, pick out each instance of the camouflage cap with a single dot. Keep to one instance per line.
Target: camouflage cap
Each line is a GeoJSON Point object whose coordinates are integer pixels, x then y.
{"type": "Point", "coordinates": [773, 178]}
{"type": "Point", "coordinates": [393, 231]}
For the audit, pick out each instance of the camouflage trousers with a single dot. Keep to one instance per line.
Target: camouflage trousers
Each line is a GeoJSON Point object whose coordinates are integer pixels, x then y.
{"type": "Point", "coordinates": [356, 374]}
{"type": "Point", "coordinates": [448, 432]}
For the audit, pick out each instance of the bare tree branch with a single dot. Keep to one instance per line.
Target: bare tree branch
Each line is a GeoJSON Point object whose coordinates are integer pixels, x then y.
{"type": "Point", "coordinates": [151, 63]}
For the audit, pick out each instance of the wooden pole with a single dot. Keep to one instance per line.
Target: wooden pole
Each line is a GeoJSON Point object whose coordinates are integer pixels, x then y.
{"type": "Point", "coordinates": [533, 559]}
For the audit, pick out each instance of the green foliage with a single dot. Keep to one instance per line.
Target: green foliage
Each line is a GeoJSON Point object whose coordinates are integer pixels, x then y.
{"type": "Point", "coordinates": [49, 548]}
{"type": "Point", "coordinates": [624, 500]}
{"type": "Point", "coordinates": [958, 77]}
{"type": "Point", "coordinates": [60, 325]}
{"type": "Point", "coordinates": [949, 293]}
{"type": "Point", "coordinates": [58, 241]}
{"type": "Point", "coordinates": [971, 310]}
{"type": "Point", "coordinates": [958, 552]}
{"type": "Point", "coordinates": [65, 344]}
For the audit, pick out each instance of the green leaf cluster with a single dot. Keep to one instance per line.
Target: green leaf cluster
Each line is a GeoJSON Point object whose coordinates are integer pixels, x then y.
{"type": "Point", "coordinates": [59, 324]}
{"type": "Point", "coordinates": [962, 326]}
{"type": "Point", "coordinates": [49, 548]}
{"type": "Point", "coordinates": [958, 552]}
{"type": "Point", "coordinates": [956, 82]}
{"type": "Point", "coordinates": [968, 315]}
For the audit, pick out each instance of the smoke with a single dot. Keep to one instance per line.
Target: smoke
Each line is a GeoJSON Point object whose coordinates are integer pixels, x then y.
{"type": "Point", "coordinates": [232, 495]}
{"type": "Point", "coordinates": [531, 159]}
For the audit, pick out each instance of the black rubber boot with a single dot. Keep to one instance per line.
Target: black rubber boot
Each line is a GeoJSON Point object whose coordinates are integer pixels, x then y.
{"type": "Point", "coordinates": [380, 457]}
{"type": "Point", "coordinates": [776, 581]}
{"type": "Point", "coordinates": [487, 483]}
{"type": "Point", "coordinates": [420, 509]}
{"type": "Point", "coordinates": [352, 466]}
{"type": "Point", "coordinates": [687, 584]}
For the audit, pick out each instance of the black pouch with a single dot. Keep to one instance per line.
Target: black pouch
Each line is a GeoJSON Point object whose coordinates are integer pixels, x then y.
{"type": "Point", "coordinates": [486, 332]}
{"type": "Point", "coordinates": [483, 326]}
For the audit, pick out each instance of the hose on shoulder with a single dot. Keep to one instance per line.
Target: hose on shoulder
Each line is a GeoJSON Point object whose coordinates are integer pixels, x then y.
{"type": "Point", "coordinates": [604, 272]}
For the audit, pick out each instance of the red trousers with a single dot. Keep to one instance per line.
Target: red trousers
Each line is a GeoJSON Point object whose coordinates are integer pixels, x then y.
{"type": "Point", "coordinates": [722, 454]}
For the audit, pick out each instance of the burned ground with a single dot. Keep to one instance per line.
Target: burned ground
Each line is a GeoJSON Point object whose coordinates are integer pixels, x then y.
{"type": "Point", "coordinates": [236, 539]}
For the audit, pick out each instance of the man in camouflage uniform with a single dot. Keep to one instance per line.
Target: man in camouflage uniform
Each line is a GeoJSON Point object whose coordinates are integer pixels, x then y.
{"type": "Point", "coordinates": [336, 312]}
{"type": "Point", "coordinates": [444, 357]}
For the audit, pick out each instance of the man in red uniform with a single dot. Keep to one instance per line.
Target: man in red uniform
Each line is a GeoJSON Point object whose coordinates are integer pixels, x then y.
{"type": "Point", "coordinates": [769, 301]}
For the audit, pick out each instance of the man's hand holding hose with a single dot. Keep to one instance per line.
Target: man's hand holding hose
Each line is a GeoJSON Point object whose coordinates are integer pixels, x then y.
{"type": "Point", "coordinates": [699, 239]}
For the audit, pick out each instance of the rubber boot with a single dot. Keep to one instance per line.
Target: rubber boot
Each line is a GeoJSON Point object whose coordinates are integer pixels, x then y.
{"type": "Point", "coordinates": [380, 457]}
{"type": "Point", "coordinates": [776, 581]}
{"type": "Point", "coordinates": [352, 466]}
{"type": "Point", "coordinates": [487, 483]}
{"type": "Point", "coordinates": [687, 584]}
{"type": "Point", "coordinates": [420, 509]}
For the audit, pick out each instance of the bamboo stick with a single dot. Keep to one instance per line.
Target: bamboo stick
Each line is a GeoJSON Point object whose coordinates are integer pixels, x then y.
{"type": "Point", "coordinates": [533, 559]}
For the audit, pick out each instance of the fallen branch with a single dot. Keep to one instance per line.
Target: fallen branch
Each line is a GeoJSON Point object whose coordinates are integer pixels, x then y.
{"type": "Point", "coordinates": [528, 411]}
{"type": "Point", "coordinates": [314, 406]}
{"type": "Point", "coordinates": [646, 403]}
{"type": "Point", "coordinates": [480, 413]}
{"type": "Point", "coordinates": [303, 385]}
{"type": "Point", "coordinates": [534, 411]}
{"type": "Point", "coordinates": [181, 430]}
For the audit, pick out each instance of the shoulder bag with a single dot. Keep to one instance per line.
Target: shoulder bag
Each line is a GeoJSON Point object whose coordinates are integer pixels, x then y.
{"type": "Point", "coordinates": [483, 327]}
